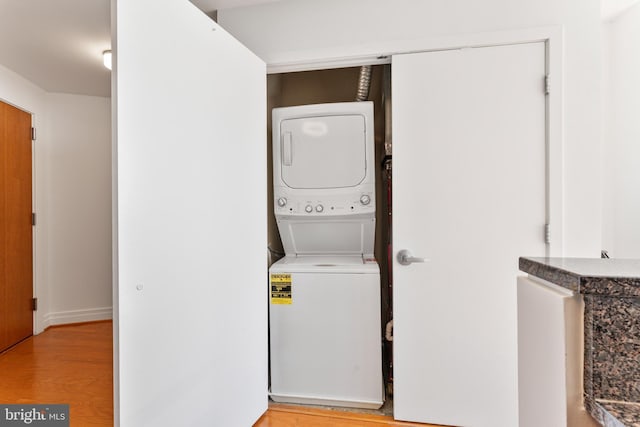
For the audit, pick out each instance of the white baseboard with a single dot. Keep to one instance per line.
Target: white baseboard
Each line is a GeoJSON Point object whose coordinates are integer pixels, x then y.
{"type": "Point", "coordinates": [77, 316]}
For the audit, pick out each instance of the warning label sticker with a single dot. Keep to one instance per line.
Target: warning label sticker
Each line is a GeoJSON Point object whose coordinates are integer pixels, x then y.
{"type": "Point", "coordinates": [281, 289]}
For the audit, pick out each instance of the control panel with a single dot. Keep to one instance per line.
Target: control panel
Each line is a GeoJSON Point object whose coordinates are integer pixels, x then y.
{"type": "Point", "coordinates": [362, 202]}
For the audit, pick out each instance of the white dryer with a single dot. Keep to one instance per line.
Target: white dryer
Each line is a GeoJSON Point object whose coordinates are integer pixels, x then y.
{"type": "Point", "coordinates": [325, 335]}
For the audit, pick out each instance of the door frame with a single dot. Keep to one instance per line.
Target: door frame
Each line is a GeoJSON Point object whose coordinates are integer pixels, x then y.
{"type": "Point", "coordinates": [382, 52]}
{"type": "Point", "coordinates": [35, 322]}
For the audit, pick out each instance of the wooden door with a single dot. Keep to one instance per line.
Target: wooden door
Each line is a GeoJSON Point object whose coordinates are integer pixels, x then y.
{"type": "Point", "coordinates": [16, 242]}
{"type": "Point", "coordinates": [191, 215]}
{"type": "Point", "coordinates": [469, 196]}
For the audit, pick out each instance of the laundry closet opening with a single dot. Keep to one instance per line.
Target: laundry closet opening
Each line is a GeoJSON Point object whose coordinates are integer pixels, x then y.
{"type": "Point", "coordinates": [328, 87]}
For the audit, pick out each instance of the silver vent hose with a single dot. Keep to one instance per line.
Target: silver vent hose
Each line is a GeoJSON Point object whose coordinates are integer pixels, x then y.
{"type": "Point", "coordinates": [364, 82]}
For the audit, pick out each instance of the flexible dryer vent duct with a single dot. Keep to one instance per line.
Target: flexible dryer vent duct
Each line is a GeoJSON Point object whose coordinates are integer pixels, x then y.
{"type": "Point", "coordinates": [364, 82]}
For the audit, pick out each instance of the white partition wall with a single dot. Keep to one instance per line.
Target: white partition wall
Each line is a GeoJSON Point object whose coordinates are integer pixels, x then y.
{"type": "Point", "coordinates": [191, 336]}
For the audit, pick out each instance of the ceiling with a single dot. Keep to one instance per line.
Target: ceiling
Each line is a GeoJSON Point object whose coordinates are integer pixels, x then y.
{"type": "Point", "coordinates": [58, 44]}
{"type": "Point", "coordinates": [611, 8]}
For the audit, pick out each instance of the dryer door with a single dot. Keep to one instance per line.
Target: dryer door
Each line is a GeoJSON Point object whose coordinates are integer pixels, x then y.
{"type": "Point", "coordinates": [323, 151]}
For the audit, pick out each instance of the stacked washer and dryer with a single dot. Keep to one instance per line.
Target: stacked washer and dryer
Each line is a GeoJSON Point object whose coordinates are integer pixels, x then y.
{"type": "Point", "coordinates": [325, 345]}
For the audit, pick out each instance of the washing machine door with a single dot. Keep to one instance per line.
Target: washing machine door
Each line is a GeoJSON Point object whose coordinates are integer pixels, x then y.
{"type": "Point", "coordinates": [323, 151]}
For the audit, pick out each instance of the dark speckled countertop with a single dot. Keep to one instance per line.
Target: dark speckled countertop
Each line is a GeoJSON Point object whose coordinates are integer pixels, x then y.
{"type": "Point", "coordinates": [611, 292]}
{"type": "Point", "coordinates": [612, 277]}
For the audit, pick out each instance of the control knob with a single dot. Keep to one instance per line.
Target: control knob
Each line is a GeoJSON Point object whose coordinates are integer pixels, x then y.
{"type": "Point", "coordinates": [319, 208]}
{"type": "Point", "coordinates": [282, 202]}
{"type": "Point", "coordinates": [365, 199]}
{"type": "Point", "coordinates": [308, 208]}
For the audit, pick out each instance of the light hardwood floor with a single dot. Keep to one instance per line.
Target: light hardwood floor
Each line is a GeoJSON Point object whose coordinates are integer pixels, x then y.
{"type": "Point", "coordinates": [73, 364]}
{"type": "Point", "coordinates": [280, 415]}
{"type": "Point", "coordinates": [64, 364]}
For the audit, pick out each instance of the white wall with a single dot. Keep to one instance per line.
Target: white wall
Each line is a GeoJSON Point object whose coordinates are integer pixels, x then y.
{"type": "Point", "coordinates": [291, 29]}
{"type": "Point", "coordinates": [621, 146]}
{"type": "Point", "coordinates": [80, 208]}
{"type": "Point", "coordinates": [72, 190]}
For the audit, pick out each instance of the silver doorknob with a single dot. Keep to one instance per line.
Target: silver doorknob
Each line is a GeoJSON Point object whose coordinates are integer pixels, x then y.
{"type": "Point", "coordinates": [405, 258]}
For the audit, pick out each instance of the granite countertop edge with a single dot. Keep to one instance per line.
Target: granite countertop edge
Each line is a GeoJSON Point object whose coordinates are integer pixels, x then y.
{"type": "Point", "coordinates": [617, 285]}
{"type": "Point", "coordinates": [614, 414]}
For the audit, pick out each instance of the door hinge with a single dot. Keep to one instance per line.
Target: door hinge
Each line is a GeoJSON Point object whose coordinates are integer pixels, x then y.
{"type": "Point", "coordinates": [34, 304]}
{"type": "Point", "coordinates": [547, 84]}
{"type": "Point", "coordinates": [33, 218]}
{"type": "Point", "coordinates": [547, 233]}
{"type": "Point", "coordinates": [33, 134]}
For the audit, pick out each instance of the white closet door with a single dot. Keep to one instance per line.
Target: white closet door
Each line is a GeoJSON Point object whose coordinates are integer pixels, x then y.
{"type": "Point", "coordinates": [190, 174]}
{"type": "Point", "coordinates": [469, 195]}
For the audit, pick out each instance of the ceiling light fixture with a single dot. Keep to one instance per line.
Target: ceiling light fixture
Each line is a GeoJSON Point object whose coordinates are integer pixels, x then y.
{"type": "Point", "coordinates": [106, 58]}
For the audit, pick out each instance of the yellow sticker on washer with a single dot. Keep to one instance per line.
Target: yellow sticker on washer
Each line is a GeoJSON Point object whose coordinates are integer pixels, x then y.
{"type": "Point", "coordinates": [281, 288]}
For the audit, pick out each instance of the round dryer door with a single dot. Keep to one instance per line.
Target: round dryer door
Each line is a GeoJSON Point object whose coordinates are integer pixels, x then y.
{"type": "Point", "coordinates": [323, 151]}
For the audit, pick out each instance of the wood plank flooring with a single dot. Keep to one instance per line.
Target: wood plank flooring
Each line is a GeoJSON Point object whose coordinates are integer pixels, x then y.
{"type": "Point", "coordinates": [64, 364]}
{"type": "Point", "coordinates": [73, 364]}
{"type": "Point", "coordinates": [280, 415]}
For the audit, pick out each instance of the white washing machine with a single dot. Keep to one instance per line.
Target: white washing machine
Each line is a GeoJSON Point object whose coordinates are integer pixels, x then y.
{"type": "Point", "coordinates": [325, 344]}
{"type": "Point", "coordinates": [325, 335]}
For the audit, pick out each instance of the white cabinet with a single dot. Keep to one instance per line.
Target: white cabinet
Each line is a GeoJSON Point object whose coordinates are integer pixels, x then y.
{"type": "Point", "coordinates": [550, 353]}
